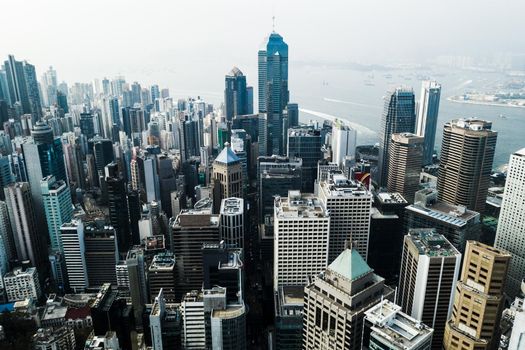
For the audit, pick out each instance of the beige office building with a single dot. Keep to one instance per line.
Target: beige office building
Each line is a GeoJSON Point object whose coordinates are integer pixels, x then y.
{"type": "Point", "coordinates": [478, 299]}
{"type": "Point", "coordinates": [227, 175]}
{"type": "Point", "coordinates": [467, 153]}
{"type": "Point", "coordinates": [404, 164]}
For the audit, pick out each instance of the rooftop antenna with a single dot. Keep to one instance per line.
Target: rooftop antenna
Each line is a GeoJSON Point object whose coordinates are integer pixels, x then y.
{"type": "Point", "coordinates": [273, 24]}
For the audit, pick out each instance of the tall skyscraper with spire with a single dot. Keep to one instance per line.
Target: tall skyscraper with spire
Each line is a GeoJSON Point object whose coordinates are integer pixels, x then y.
{"type": "Point", "coordinates": [427, 116]}
{"type": "Point", "coordinates": [398, 116]}
{"type": "Point", "coordinates": [273, 88]}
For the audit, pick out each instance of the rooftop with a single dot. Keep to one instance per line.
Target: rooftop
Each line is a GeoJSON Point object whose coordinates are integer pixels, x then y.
{"type": "Point", "coordinates": [451, 214]}
{"type": "Point", "coordinates": [391, 198]}
{"type": "Point", "coordinates": [54, 311]}
{"type": "Point", "coordinates": [303, 132]}
{"type": "Point", "coordinates": [299, 205]}
{"type": "Point", "coordinates": [163, 261]}
{"type": "Point", "coordinates": [430, 243]}
{"type": "Point", "coordinates": [340, 186]}
{"type": "Point", "coordinates": [521, 152]}
{"type": "Point", "coordinates": [232, 205]}
{"type": "Point", "coordinates": [231, 311]}
{"type": "Point", "coordinates": [470, 124]}
{"type": "Point", "coordinates": [227, 156]}
{"type": "Point", "coordinates": [350, 264]}
{"type": "Point", "coordinates": [396, 327]}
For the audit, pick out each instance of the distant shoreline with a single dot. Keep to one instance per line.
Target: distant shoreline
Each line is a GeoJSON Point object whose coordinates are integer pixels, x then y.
{"type": "Point", "coordinates": [481, 103]}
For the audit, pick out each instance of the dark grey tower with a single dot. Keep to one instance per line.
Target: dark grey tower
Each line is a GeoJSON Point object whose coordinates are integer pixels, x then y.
{"type": "Point", "coordinates": [399, 116]}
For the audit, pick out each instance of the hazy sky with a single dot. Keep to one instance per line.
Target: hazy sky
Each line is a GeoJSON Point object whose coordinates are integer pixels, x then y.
{"type": "Point", "coordinates": [192, 41]}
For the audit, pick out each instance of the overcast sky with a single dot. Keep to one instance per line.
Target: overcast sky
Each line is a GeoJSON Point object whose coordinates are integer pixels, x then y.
{"type": "Point", "coordinates": [149, 40]}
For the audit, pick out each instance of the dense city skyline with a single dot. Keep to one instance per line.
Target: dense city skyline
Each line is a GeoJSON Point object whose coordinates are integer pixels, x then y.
{"type": "Point", "coordinates": [141, 212]}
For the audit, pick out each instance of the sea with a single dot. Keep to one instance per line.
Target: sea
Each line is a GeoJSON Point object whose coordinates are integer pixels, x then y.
{"type": "Point", "coordinates": [357, 97]}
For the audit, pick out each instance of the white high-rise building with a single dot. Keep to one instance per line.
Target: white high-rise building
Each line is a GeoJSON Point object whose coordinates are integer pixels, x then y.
{"type": "Point", "coordinates": [73, 243]}
{"type": "Point", "coordinates": [301, 230]}
{"type": "Point", "coordinates": [427, 115]}
{"type": "Point", "coordinates": [511, 224]}
{"type": "Point", "coordinates": [232, 221]}
{"type": "Point", "coordinates": [343, 142]}
{"type": "Point", "coordinates": [430, 267]}
{"type": "Point", "coordinates": [517, 338]}
{"type": "Point", "coordinates": [20, 284]}
{"type": "Point", "coordinates": [349, 204]}
{"type": "Point", "coordinates": [193, 321]}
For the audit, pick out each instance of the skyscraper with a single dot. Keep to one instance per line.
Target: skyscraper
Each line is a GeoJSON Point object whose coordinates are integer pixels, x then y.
{"type": "Point", "coordinates": [138, 291]}
{"type": "Point", "coordinates": [227, 174]}
{"type": "Point", "coordinates": [58, 208]}
{"type": "Point", "coordinates": [235, 94]}
{"type": "Point", "coordinates": [222, 265]}
{"type": "Point", "coordinates": [101, 253]}
{"type": "Point", "coordinates": [301, 228]}
{"type": "Point", "coordinates": [305, 143]}
{"type": "Point", "coordinates": [7, 246]}
{"type": "Point", "coordinates": [336, 301]}
{"type": "Point", "coordinates": [349, 204]}
{"type": "Point", "coordinates": [465, 165]}
{"type": "Point", "coordinates": [190, 230]}
{"type": "Point", "coordinates": [511, 223]}
{"type": "Point", "coordinates": [118, 206]}
{"type": "Point", "coordinates": [28, 240]}
{"type": "Point", "coordinates": [430, 267]}
{"type": "Point", "coordinates": [165, 324]}
{"type": "Point", "coordinates": [161, 276]}
{"type": "Point", "coordinates": [232, 222]}
{"type": "Point", "coordinates": [6, 176]}
{"type": "Point", "coordinates": [343, 142]}
{"type": "Point", "coordinates": [23, 87]}
{"type": "Point", "coordinates": [404, 165]}
{"type": "Point", "coordinates": [45, 156]}
{"type": "Point", "coordinates": [427, 116]}
{"type": "Point", "coordinates": [479, 299]}
{"type": "Point", "coordinates": [398, 116]}
{"type": "Point", "coordinates": [72, 235]}
{"type": "Point", "coordinates": [86, 125]}
{"type": "Point", "coordinates": [273, 88]}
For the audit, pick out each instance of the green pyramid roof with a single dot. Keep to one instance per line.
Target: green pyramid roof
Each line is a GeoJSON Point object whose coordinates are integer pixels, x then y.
{"type": "Point", "coordinates": [350, 264]}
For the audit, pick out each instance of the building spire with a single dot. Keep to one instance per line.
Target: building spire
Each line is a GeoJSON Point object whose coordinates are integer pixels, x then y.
{"type": "Point", "coordinates": [273, 24]}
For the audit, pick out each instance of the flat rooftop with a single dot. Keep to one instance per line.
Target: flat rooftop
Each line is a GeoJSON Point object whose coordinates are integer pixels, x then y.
{"type": "Point", "coordinates": [447, 213]}
{"type": "Point", "coordinates": [231, 311]}
{"type": "Point", "coordinates": [340, 186]}
{"type": "Point", "coordinates": [299, 205]}
{"type": "Point", "coordinates": [391, 198]}
{"type": "Point", "coordinates": [232, 206]}
{"type": "Point", "coordinates": [430, 243]}
{"type": "Point", "coordinates": [163, 261]}
{"type": "Point", "coordinates": [396, 327]}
